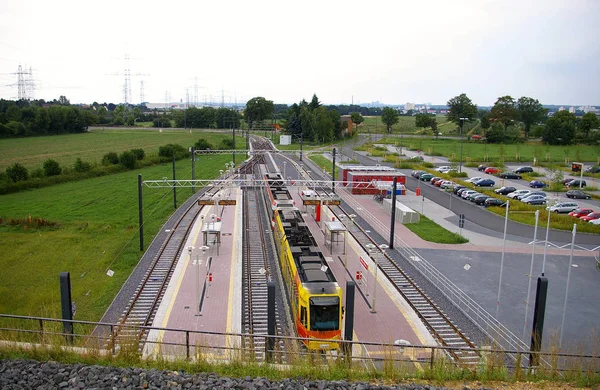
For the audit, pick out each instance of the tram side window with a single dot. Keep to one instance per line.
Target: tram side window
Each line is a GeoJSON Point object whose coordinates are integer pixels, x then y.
{"type": "Point", "coordinates": [303, 318]}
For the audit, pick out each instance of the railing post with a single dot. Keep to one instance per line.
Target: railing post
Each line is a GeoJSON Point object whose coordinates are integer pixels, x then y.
{"type": "Point", "coordinates": [187, 345]}
{"type": "Point", "coordinates": [114, 340]}
{"type": "Point", "coordinates": [432, 358]}
{"type": "Point", "coordinates": [41, 329]}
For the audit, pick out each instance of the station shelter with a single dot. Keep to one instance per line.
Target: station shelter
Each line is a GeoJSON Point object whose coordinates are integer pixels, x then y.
{"type": "Point", "coordinates": [365, 183]}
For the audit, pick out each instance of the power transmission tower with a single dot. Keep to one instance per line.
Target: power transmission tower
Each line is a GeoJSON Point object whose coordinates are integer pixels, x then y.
{"type": "Point", "coordinates": [127, 97]}
{"type": "Point", "coordinates": [25, 83]}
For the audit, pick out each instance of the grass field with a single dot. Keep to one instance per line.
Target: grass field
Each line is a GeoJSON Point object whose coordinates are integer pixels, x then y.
{"type": "Point", "coordinates": [33, 151]}
{"type": "Point", "coordinates": [431, 231]}
{"type": "Point", "coordinates": [406, 125]}
{"type": "Point", "coordinates": [97, 222]}
{"type": "Point", "coordinates": [482, 152]}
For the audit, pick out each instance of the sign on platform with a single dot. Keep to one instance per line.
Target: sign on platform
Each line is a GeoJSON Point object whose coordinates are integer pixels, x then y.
{"type": "Point", "coordinates": [227, 202]}
{"type": "Point", "coordinates": [206, 202]}
{"type": "Point", "coordinates": [364, 263]}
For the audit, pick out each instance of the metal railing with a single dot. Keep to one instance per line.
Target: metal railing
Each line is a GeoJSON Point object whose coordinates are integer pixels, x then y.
{"type": "Point", "coordinates": [186, 344]}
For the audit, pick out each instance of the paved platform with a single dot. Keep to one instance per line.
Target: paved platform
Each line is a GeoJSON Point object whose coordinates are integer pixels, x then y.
{"type": "Point", "coordinates": [192, 302]}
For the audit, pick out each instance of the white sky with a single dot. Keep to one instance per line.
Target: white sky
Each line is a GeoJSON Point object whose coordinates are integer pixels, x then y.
{"type": "Point", "coordinates": [391, 51]}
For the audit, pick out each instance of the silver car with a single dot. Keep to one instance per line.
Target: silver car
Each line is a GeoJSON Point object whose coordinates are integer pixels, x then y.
{"type": "Point", "coordinates": [563, 207]}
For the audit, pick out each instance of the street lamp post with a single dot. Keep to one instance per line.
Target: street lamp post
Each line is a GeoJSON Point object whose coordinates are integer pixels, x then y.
{"type": "Point", "coordinates": [462, 122]}
{"type": "Point", "coordinates": [284, 171]}
{"type": "Point", "coordinates": [502, 259]}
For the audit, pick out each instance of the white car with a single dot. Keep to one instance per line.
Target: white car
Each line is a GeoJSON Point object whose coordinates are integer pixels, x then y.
{"type": "Point", "coordinates": [518, 193]}
{"type": "Point", "coordinates": [449, 170]}
{"type": "Point", "coordinates": [563, 207]}
{"type": "Point", "coordinates": [595, 221]}
{"type": "Point", "coordinates": [466, 193]}
{"type": "Point", "coordinates": [442, 168]}
{"type": "Point", "coordinates": [473, 179]}
{"type": "Point", "coordinates": [446, 184]}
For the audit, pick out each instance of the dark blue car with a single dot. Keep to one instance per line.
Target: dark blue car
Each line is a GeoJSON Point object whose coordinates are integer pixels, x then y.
{"type": "Point", "coordinates": [537, 184]}
{"type": "Point", "coordinates": [485, 183]}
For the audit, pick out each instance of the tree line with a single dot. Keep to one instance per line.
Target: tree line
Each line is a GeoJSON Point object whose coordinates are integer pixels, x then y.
{"type": "Point", "coordinates": [508, 118]}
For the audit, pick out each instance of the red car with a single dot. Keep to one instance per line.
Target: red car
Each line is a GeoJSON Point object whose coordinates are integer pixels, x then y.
{"type": "Point", "coordinates": [580, 212]}
{"type": "Point", "coordinates": [590, 216]}
{"type": "Point", "coordinates": [439, 183]}
{"type": "Point", "coordinates": [435, 179]}
{"type": "Point", "coordinates": [492, 170]}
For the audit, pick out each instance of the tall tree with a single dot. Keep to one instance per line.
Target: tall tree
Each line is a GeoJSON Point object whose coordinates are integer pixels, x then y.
{"type": "Point", "coordinates": [258, 109]}
{"type": "Point", "coordinates": [423, 120]}
{"type": "Point", "coordinates": [314, 103]}
{"type": "Point", "coordinates": [357, 119]}
{"type": "Point", "coordinates": [588, 121]}
{"type": "Point", "coordinates": [504, 111]}
{"type": "Point", "coordinates": [460, 107]}
{"type": "Point", "coordinates": [530, 112]}
{"type": "Point", "coordinates": [390, 117]}
{"type": "Point", "coordinates": [560, 129]}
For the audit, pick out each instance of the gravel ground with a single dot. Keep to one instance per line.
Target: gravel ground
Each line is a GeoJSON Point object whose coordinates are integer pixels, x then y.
{"type": "Point", "coordinates": [30, 374]}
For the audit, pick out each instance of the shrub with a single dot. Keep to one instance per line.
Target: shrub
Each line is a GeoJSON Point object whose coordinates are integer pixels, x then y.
{"type": "Point", "coordinates": [82, 166]}
{"type": "Point", "coordinates": [172, 150]}
{"type": "Point", "coordinates": [17, 172]}
{"type": "Point", "coordinates": [52, 168]}
{"type": "Point", "coordinates": [110, 159]}
{"type": "Point", "coordinates": [203, 144]}
{"type": "Point", "coordinates": [457, 174]}
{"type": "Point", "coordinates": [227, 143]}
{"type": "Point", "coordinates": [127, 159]}
{"type": "Point", "coordinates": [138, 153]}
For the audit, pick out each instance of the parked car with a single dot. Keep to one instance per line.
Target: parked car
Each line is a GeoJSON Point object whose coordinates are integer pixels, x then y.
{"type": "Point", "coordinates": [534, 199]}
{"type": "Point", "coordinates": [471, 197]}
{"type": "Point", "coordinates": [523, 170]}
{"type": "Point", "coordinates": [529, 193]}
{"type": "Point", "coordinates": [580, 212]}
{"type": "Point", "coordinates": [537, 184]}
{"type": "Point", "coordinates": [505, 190]}
{"type": "Point", "coordinates": [442, 168]}
{"type": "Point", "coordinates": [419, 173]}
{"type": "Point", "coordinates": [590, 216]}
{"type": "Point", "coordinates": [439, 183]}
{"type": "Point", "coordinates": [481, 199]}
{"type": "Point", "coordinates": [595, 221]}
{"type": "Point", "coordinates": [566, 181]}
{"type": "Point", "coordinates": [448, 170]}
{"type": "Point", "coordinates": [446, 184]}
{"type": "Point", "coordinates": [416, 173]}
{"type": "Point", "coordinates": [593, 169]}
{"type": "Point", "coordinates": [435, 179]}
{"type": "Point", "coordinates": [457, 188]}
{"type": "Point", "coordinates": [491, 170]}
{"type": "Point", "coordinates": [473, 179]}
{"type": "Point", "coordinates": [493, 202]}
{"type": "Point", "coordinates": [464, 194]}
{"type": "Point", "coordinates": [425, 176]}
{"type": "Point", "coordinates": [516, 193]}
{"type": "Point", "coordinates": [482, 167]}
{"type": "Point", "coordinates": [509, 175]}
{"type": "Point", "coordinates": [416, 158]}
{"type": "Point", "coordinates": [563, 207]}
{"type": "Point", "coordinates": [576, 183]}
{"type": "Point", "coordinates": [485, 183]}
{"type": "Point", "coordinates": [576, 194]}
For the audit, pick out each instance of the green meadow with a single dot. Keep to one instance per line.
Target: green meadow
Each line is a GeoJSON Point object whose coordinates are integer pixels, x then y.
{"type": "Point", "coordinates": [86, 227]}
{"type": "Point", "coordinates": [31, 152]}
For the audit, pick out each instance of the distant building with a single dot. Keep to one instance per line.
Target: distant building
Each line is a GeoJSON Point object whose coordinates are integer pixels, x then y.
{"type": "Point", "coordinates": [572, 110]}
{"type": "Point", "coordinates": [409, 106]}
{"type": "Point", "coordinates": [561, 108]}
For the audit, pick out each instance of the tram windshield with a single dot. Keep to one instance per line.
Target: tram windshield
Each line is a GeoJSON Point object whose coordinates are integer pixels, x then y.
{"type": "Point", "coordinates": [324, 313]}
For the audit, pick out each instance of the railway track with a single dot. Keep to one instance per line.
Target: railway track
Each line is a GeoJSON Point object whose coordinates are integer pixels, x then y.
{"type": "Point", "coordinates": [142, 307]}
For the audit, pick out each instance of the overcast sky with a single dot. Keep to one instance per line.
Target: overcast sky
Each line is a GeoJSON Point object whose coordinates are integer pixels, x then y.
{"type": "Point", "coordinates": [362, 51]}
